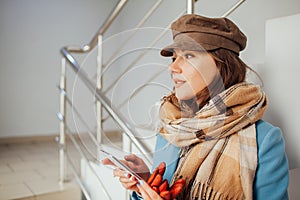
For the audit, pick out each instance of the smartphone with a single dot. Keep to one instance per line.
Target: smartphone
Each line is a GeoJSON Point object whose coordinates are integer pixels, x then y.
{"type": "Point", "coordinates": [119, 164]}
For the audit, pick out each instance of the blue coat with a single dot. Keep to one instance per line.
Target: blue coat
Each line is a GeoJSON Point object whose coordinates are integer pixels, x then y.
{"type": "Point", "coordinates": [272, 177]}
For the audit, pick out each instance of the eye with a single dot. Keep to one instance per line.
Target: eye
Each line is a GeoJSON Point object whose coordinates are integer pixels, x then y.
{"type": "Point", "coordinates": [188, 55]}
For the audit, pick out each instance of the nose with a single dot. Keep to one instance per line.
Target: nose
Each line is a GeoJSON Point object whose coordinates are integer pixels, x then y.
{"type": "Point", "coordinates": [175, 66]}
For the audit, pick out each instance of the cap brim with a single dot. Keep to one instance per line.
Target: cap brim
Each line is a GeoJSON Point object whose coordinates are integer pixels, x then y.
{"type": "Point", "coordinates": [185, 42]}
{"type": "Point", "coordinates": [168, 50]}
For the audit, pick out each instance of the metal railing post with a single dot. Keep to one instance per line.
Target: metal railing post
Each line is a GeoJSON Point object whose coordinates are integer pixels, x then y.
{"type": "Point", "coordinates": [126, 147]}
{"type": "Point", "coordinates": [234, 7]}
{"type": "Point", "coordinates": [99, 86]}
{"type": "Point", "coordinates": [99, 136]}
{"type": "Point", "coordinates": [118, 118]}
{"type": "Point", "coordinates": [62, 123]}
{"type": "Point", "coordinates": [111, 17]}
{"type": "Point", "coordinates": [190, 6]}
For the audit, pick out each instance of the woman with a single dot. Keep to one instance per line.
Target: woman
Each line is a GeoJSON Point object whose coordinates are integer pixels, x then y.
{"type": "Point", "coordinates": [219, 144]}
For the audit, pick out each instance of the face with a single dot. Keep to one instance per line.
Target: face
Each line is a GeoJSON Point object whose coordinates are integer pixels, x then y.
{"type": "Point", "coordinates": [191, 71]}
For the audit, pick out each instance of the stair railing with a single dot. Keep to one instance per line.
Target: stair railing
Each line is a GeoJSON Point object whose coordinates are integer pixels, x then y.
{"type": "Point", "coordinates": [102, 100]}
{"type": "Point", "coordinates": [189, 9]}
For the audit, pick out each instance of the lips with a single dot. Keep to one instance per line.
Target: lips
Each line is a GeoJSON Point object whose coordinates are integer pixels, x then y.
{"type": "Point", "coordinates": [178, 82]}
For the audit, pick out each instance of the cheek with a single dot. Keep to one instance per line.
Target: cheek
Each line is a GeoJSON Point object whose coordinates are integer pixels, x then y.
{"type": "Point", "coordinates": [197, 80]}
{"type": "Point", "coordinates": [204, 74]}
{"type": "Point", "coordinates": [208, 75]}
{"type": "Point", "coordinates": [194, 84]}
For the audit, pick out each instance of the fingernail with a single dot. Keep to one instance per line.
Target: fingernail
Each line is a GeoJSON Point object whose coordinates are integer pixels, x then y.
{"type": "Point", "coordinates": [138, 185]}
{"type": "Point", "coordinates": [131, 178]}
{"type": "Point", "coordinates": [126, 174]}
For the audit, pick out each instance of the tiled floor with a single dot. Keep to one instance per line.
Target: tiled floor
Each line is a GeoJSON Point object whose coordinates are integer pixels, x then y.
{"type": "Point", "coordinates": [30, 171]}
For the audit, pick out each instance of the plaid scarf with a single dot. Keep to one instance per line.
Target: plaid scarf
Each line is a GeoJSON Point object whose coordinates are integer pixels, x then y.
{"type": "Point", "coordinates": [218, 144]}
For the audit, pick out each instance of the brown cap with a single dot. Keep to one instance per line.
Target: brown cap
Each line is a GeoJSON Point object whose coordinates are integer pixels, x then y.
{"type": "Point", "coordinates": [198, 33]}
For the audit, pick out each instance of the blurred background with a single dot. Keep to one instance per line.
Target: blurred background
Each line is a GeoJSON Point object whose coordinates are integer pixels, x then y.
{"type": "Point", "coordinates": [33, 32]}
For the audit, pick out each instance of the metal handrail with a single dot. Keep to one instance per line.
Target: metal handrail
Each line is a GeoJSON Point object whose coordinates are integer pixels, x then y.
{"type": "Point", "coordinates": [126, 100]}
{"type": "Point", "coordinates": [88, 47]}
{"type": "Point", "coordinates": [129, 131]}
{"type": "Point", "coordinates": [143, 53]}
{"type": "Point", "coordinates": [145, 18]}
{"type": "Point", "coordinates": [79, 116]}
{"type": "Point", "coordinates": [233, 8]}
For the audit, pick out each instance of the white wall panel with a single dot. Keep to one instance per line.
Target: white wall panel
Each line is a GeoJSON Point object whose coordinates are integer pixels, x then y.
{"type": "Point", "coordinates": [281, 75]}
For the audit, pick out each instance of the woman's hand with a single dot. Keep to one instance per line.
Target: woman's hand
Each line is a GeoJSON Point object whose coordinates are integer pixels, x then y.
{"type": "Point", "coordinates": [127, 181]}
{"type": "Point", "coordinates": [136, 164]}
{"type": "Point", "coordinates": [147, 192]}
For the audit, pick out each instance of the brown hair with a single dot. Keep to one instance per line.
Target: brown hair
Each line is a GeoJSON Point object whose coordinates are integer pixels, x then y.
{"type": "Point", "coordinates": [232, 69]}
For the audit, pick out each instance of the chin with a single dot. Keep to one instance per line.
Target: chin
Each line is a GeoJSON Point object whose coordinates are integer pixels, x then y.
{"type": "Point", "coordinates": [183, 96]}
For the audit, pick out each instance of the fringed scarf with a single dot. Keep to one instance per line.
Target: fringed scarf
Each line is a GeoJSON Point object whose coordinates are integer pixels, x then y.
{"type": "Point", "coordinates": [218, 144]}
